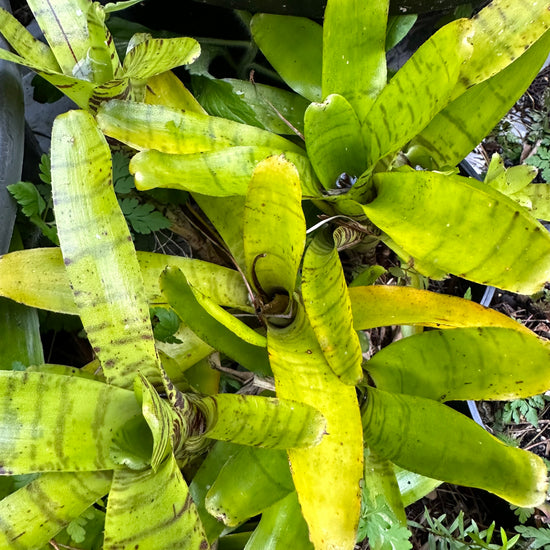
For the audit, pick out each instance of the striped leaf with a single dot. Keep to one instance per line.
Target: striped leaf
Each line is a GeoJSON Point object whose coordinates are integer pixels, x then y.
{"type": "Point", "coordinates": [480, 235]}
{"type": "Point", "coordinates": [328, 308]}
{"type": "Point", "coordinates": [182, 299]}
{"type": "Point", "coordinates": [293, 46]}
{"type": "Point", "coordinates": [34, 514]}
{"type": "Point", "coordinates": [98, 252]}
{"type": "Point", "coordinates": [167, 89]}
{"type": "Point", "coordinates": [274, 227]}
{"type": "Point", "coordinates": [502, 31]}
{"type": "Point", "coordinates": [469, 363]}
{"type": "Point", "coordinates": [170, 131]}
{"type": "Point", "coordinates": [432, 439]}
{"type": "Point", "coordinates": [383, 305]}
{"type": "Point", "coordinates": [458, 128]}
{"type": "Point", "coordinates": [354, 51]}
{"type": "Point", "coordinates": [24, 43]}
{"type": "Point", "coordinates": [263, 421]}
{"type": "Point", "coordinates": [334, 141]}
{"type": "Point", "coordinates": [419, 90]}
{"type": "Point", "coordinates": [65, 27]}
{"type": "Point", "coordinates": [152, 511]}
{"type": "Point", "coordinates": [264, 479]}
{"type": "Point", "coordinates": [221, 173]}
{"type": "Point", "coordinates": [326, 476]}
{"type": "Point", "coordinates": [49, 287]}
{"type": "Point", "coordinates": [281, 526]}
{"type": "Point", "coordinates": [59, 423]}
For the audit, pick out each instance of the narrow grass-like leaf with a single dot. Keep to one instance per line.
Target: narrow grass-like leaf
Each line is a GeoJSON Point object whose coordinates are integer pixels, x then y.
{"type": "Point", "coordinates": [153, 511]}
{"type": "Point", "coordinates": [410, 100]}
{"type": "Point", "coordinates": [274, 226]}
{"type": "Point", "coordinates": [458, 128]}
{"type": "Point", "coordinates": [432, 439]}
{"type": "Point", "coordinates": [494, 241]}
{"type": "Point", "coordinates": [222, 173]}
{"type": "Point", "coordinates": [98, 251]}
{"type": "Point", "coordinates": [293, 46]}
{"type": "Point", "coordinates": [468, 363]}
{"type": "Point", "coordinates": [354, 51]}
{"type": "Point", "coordinates": [169, 130]}
{"type": "Point", "coordinates": [326, 476]}
{"type": "Point", "coordinates": [384, 305]}
{"type": "Point", "coordinates": [281, 526]}
{"type": "Point", "coordinates": [59, 423]}
{"type": "Point", "coordinates": [264, 479]}
{"type": "Point", "coordinates": [181, 298]}
{"type": "Point", "coordinates": [263, 421]}
{"type": "Point", "coordinates": [328, 308]}
{"type": "Point", "coordinates": [334, 141]}
{"type": "Point", "coordinates": [49, 287]}
{"type": "Point", "coordinates": [34, 514]}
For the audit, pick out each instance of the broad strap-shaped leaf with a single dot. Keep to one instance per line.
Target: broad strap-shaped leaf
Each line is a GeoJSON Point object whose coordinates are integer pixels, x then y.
{"type": "Point", "coordinates": [328, 308]}
{"type": "Point", "coordinates": [411, 100]}
{"type": "Point", "coordinates": [432, 439]}
{"type": "Point", "coordinates": [221, 173]}
{"type": "Point", "coordinates": [182, 299]}
{"type": "Point", "coordinates": [59, 423]}
{"type": "Point", "coordinates": [268, 107]}
{"type": "Point", "coordinates": [49, 288]}
{"type": "Point", "coordinates": [263, 479]}
{"type": "Point", "coordinates": [480, 235]}
{"type": "Point", "coordinates": [354, 51]}
{"type": "Point", "coordinates": [65, 26]}
{"type": "Point", "coordinates": [293, 46]}
{"type": "Point", "coordinates": [98, 252]}
{"type": "Point", "coordinates": [263, 421]}
{"type": "Point", "coordinates": [34, 514]}
{"type": "Point", "coordinates": [458, 128]}
{"type": "Point", "coordinates": [502, 31]}
{"type": "Point", "coordinates": [413, 486]}
{"type": "Point", "coordinates": [536, 198]}
{"type": "Point", "coordinates": [274, 227]}
{"type": "Point", "coordinates": [334, 141]}
{"type": "Point", "coordinates": [24, 43]}
{"type": "Point", "coordinates": [281, 526]}
{"type": "Point", "coordinates": [468, 363]}
{"type": "Point", "coordinates": [384, 305]}
{"type": "Point", "coordinates": [218, 455]}
{"type": "Point", "coordinates": [153, 511]}
{"type": "Point", "coordinates": [169, 130]}
{"type": "Point", "coordinates": [327, 476]}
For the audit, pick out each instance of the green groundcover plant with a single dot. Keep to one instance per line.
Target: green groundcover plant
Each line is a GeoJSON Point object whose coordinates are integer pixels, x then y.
{"type": "Point", "coordinates": [327, 447]}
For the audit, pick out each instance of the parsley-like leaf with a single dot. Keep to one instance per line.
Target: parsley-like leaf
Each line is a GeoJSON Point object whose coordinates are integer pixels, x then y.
{"type": "Point", "coordinates": [28, 197]}
{"type": "Point", "coordinates": [143, 218]}
{"type": "Point", "coordinates": [123, 181]}
{"type": "Point", "coordinates": [165, 325]}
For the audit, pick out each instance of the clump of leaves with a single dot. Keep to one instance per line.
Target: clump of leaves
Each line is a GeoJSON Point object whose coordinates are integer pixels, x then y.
{"type": "Point", "coordinates": [540, 536]}
{"type": "Point", "coordinates": [519, 410]}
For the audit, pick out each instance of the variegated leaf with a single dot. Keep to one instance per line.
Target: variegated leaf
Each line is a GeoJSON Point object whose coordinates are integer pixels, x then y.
{"type": "Point", "coordinates": [98, 251]}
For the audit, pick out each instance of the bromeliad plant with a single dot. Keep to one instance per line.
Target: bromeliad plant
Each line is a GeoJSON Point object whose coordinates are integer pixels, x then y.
{"type": "Point", "coordinates": [81, 60]}
{"type": "Point", "coordinates": [124, 429]}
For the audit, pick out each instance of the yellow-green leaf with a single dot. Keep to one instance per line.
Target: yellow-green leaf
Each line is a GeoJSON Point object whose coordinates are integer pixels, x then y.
{"type": "Point", "coordinates": [98, 252]}
{"type": "Point", "coordinates": [384, 305]}
{"type": "Point", "coordinates": [328, 308]}
{"type": "Point", "coordinates": [432, 439]}
{"type": "Point", "coordinates": [480, 235]}
{"type": "Point", "coordinates": [326, 476]}
{"type": "Point", "coordinates": [274, 226]}
{"type": "Point", "coordinates": [468, 363]}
